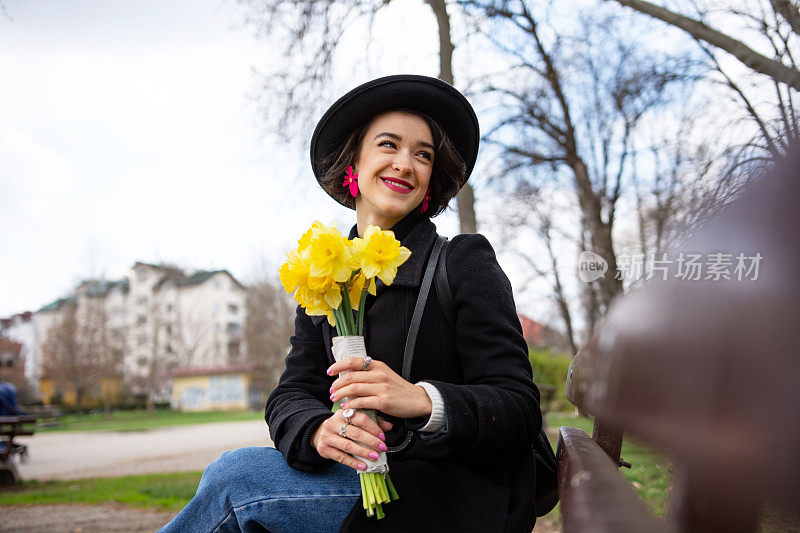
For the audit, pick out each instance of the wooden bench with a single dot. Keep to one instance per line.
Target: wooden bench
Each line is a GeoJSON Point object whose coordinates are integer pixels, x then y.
{"type": "Point", "coordinates": [47, 417]}
{"type": "Point", "coordinates": [10, 428]}
{"type": "Point", "coordinates": [707, 371]}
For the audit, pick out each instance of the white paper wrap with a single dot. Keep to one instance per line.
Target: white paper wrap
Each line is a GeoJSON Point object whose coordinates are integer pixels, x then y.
{"type": "Point", "coordinates": [353, 346]}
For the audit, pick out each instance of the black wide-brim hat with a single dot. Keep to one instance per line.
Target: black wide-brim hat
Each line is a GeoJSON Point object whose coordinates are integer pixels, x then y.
{"type": "Point", "coordinates": [430, 96]}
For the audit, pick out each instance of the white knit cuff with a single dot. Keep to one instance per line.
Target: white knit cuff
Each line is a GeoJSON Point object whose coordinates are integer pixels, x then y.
{"type": "Point", "coordinates": [437, 418]}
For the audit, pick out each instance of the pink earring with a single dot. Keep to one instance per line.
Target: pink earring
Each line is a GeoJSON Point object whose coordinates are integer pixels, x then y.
{"type": "Point", "coordinates": [426, 200]}
{"type": "Point", "coordinates": [351, 181]}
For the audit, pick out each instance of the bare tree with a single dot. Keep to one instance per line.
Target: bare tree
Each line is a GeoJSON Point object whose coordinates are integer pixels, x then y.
{"type": "Point", "coordinates": [172, 344]}
{"type": "Point", "coordinates": [187, 339]}
{"type": "Point", "coordinates": [570, 107]}
{"type": "Point", "coordinates": [101, 347]}
{"type": "Point", "coordinates": [80, 351]}
{"type": "Point", "coordinates": [268, 326]}
{"type": "Point", "coordinates": [525, 212]}
{"type": "Point", "coordinates": [311, 31]}
{"type": "Point", "coordinates": [784, 12]}
{"type": "Point", "coordinates": [772, 26]}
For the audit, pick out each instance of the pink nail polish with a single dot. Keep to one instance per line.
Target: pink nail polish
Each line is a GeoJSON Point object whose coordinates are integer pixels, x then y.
{"type": "Point", "coordinates": [381, 436]}
{"type": "Point", "coordinates": [343, 405]}
{"type": "Point", "coordinates": [362, 466]}
{"type": "Point", "coordinates": [332, 395]}
{"type": "Point", "coordinates": [373, 456]}
{"type": "Point", "coordinates": [382, 447]}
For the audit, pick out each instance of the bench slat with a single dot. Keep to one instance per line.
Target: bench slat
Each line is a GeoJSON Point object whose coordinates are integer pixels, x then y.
{"type": "Point", "coordinates": [22, 419]}
{"type": "Point", "coordinates": [594, 495]}
{"type": "Point", "coordinates": [19, 433]}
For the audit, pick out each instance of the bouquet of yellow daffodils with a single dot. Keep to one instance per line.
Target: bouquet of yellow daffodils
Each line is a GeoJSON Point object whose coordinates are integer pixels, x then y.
{"type": "Point", "coordinates": [331, 275]}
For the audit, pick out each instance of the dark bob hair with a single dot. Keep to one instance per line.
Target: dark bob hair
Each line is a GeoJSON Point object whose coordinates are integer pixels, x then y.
{"type": "Point", "coordinates": [447, 175]}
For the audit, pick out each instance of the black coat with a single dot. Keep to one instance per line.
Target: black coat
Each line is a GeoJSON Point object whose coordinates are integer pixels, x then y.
{"type": "Point", "coordinates": [477, 474]}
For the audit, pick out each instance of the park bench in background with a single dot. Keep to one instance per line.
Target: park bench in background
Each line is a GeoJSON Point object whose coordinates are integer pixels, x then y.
{"type": "Point", "coordinates": [707, 371]}
{"type": "Point", "coordinates": [10, 428]}
{"type": "Point", "coordinates": [47, 417]}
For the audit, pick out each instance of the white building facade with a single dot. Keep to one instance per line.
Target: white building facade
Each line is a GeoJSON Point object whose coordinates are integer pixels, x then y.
{"type": "Point", "coordinates": [163, 317]}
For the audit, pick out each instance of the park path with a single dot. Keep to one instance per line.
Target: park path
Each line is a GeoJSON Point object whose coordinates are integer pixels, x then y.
{"type": "Point", "coordinates": [74, 455]}
{"type": "Point", "coordinates": [84, 454]}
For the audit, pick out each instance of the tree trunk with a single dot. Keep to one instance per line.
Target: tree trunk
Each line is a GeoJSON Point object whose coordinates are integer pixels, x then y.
{"type": "Point", "coordinates": [106, 405]}
{"type": "Point", "coordinates": [465, 200]}
{"type": "Point", "coordinates": [749, 57]}
{"type": "Point", "coordinates": [599, 231]}
{"type": "Point", "coordinates": [151, 411]}
{"type": "Point", "coordinates": [78, 401]}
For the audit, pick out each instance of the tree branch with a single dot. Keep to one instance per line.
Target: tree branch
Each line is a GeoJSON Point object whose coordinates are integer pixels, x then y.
{"type": "Point", "coordinates": [789, 13]}
{"type": "Point", "coordinates": [697, 29]}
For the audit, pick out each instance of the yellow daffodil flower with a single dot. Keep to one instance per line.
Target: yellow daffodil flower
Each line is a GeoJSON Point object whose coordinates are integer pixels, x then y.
{"type": "Point", "coordinates": [379, 254]}
{"type": "Point", "coordinates": [329, 255]}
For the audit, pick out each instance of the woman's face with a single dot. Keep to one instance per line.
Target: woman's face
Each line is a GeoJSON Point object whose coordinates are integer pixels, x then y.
{"type": "Point", "coordinates": [394, 168]}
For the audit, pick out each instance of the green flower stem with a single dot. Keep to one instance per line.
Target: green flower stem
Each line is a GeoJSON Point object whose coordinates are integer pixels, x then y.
{"type": "Point", "coordinates": [347, 310]}
{"type": "Point", "coordinates": [341, 323]}
{"type": "Point", "coordinates": [361, 311]}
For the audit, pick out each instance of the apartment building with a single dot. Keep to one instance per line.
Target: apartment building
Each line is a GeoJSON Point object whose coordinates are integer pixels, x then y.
{"type": "Point", "coordinates": [160, 318]}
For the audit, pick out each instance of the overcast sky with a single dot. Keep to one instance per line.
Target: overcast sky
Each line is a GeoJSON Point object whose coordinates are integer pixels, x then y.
{"type": "Point", "coordinates": [128, 133]}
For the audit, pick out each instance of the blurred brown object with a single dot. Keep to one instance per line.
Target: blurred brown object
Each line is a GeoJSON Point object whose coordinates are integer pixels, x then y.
{"type": "Point", "coordinates": [706, 370]}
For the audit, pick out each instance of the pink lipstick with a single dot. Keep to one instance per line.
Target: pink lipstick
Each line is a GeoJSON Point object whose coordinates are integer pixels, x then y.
{"type": "Point", "coordinates": [398, 185]}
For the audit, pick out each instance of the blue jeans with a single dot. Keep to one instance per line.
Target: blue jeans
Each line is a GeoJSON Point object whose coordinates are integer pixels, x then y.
{"type": "Point", "coordinates": [253, 489]}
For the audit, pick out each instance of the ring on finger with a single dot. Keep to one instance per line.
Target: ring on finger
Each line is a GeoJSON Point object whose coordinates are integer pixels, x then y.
{"type": "Point", "coordinates": [343, 430]}
{"type": "Point", "coordinates": [367, 361]}
{"type": "Point", "coordinates": [348, 414]}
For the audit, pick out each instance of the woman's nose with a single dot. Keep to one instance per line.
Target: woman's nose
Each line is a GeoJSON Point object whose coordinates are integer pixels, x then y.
{"type": "Point", "coordinates": [402, 164]}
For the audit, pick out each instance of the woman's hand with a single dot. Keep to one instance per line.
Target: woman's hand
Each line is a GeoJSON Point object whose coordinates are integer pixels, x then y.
{"type": "Point", "coordinates": [379, 388]}
{"type": "Point", "coordinates": [361, 428]}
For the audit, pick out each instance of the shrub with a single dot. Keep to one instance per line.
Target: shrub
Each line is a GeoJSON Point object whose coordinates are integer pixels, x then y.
{"type": "Point", "coordinates": [551, 369]}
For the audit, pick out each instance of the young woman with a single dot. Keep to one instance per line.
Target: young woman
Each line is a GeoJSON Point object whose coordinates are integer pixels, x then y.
{"type": "Point", "coordinates": [459, 432]}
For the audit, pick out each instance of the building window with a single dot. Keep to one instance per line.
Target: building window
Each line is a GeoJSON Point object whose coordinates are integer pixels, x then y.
{"type": "Point", "coordinates": [233, 309]}
{"type": "Point", "coordinates": [141, 340]}
{"type": "Point", "coordinates": [217, 328]}
{"type": "Point", "coordinates": [234, 328]}
{"type": "Point", "coordinates": [169, 348]}
{"type": "Point", "coordinates": [169, 308]}
{"type": "Point", "coordinates": [217, 284]}
{"type": "Point", "coordinates": [141, 274]}
{"type": "Point", "coordinates": [141, 300]}
{"type": "Point", "coordinates": [141, 320]}
{"type": "Point", "coordinates": [169, 329]}
{"type": "Point", "coordinates": [233, 348]}
{"type": "Point", "coordinates": [142, 361]}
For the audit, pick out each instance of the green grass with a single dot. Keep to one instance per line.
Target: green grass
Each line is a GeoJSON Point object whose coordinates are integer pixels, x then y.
{"type": "Point", "coordinates": [165, 492]}
{"type": "Point", "coordinates": [650, 472]}
{"type": "Point", "coordinates": [139, 421]}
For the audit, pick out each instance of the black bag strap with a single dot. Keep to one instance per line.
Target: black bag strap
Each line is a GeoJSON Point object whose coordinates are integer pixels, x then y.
{"type": "Point", "coordinates": [422, 297]}
{"type": "Point", "coordinates": [445, 296]}
{"type": "Point", "coordinates": [416, 319]}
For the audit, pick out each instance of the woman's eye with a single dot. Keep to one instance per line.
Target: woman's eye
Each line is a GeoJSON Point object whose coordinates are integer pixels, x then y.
{"type": "Point", "coordinates": [426, 155]}
{"type": "Point", "coordinates": [390, 144]}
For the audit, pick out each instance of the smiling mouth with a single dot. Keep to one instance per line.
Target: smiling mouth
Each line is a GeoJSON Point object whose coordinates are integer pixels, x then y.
{"type": "Point", "coordinates": [397, 185]}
